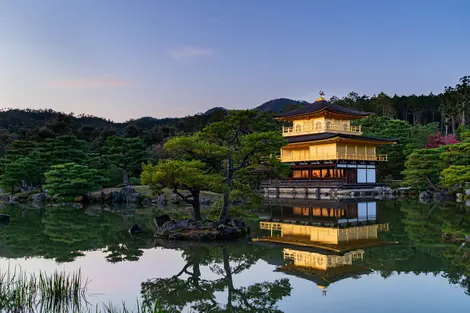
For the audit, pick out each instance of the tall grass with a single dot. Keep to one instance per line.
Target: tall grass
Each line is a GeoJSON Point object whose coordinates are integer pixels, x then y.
{"type": "Point", "coordinates": [60, 292]}
{"type": "Point", "coordinates": [123, 309]}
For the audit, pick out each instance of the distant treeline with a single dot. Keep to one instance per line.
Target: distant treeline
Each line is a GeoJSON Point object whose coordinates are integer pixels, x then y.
{"type": "Point", "coordinates": [408, 118]}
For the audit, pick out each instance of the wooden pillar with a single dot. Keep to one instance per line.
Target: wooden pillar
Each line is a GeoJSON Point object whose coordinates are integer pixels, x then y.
{"type": "Point", "coordinates": [310, 172]}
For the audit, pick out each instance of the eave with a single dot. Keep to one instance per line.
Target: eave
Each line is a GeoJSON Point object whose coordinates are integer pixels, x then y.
{"type": "Point", "coordinates": [325, 112]}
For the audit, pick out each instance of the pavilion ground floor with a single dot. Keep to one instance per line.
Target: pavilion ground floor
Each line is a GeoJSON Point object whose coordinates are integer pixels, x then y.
{"type": "Point", "coordinates": [341, 172]}
{"type": "Point", "coordinates": [329, 180]}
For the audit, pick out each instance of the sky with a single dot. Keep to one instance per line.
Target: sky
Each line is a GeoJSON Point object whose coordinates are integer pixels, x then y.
{"type": "Point", "coordinates": [123, 59]}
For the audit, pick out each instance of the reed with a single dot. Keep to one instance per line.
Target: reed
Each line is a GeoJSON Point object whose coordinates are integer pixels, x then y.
{"type": "Point", "coordinates": [123, 309]}
{"type": "Point", "coordinates": [60, 292]}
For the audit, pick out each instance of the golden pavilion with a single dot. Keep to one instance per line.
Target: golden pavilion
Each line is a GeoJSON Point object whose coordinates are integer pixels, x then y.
{"type": "Point", "coordinates": [323, 241]}
{"type": "Point", "coordinates": [323, 145]}
{"type": "Point", "coordinates": [325, 224]}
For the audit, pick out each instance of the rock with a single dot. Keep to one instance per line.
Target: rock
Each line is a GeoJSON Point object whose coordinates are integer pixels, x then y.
{"type": "Point", "coordinates": [238, 223]}
{"type": "Point", "coordinates": [467, 203]}
{"type": "Point", "coordinates": [116, 197]}
{"type": "Point", "coordinates": [135, 197]}
{"type": "Point", "coordinates": [39, 197]}
{"type": "Point", "coordinates": [4, 219]}
{"type": "Point", "coordinates": [201, 231]}
{"type": "Point", "coordinates": [438, 196]}
{"type": "Point", "coordinates": [175, 199]}
{"type": "Point", "coordinates": [467, 193]}
{"type": "Point", "coordinates": [127, 191]}
{"type": "Point", "coordinates": [146, 202]}
{"type": "Point", "coordinates": [160, 220]}
{"type": "Point", "coordinates": [113, 196]}
{"type": "Point", "coordinates": [205, 201]}
{"type": "Point", "coordinates": [467, 238]}
{"type": "Point", "coordinates": [425, 195]}
{"type": "Point", "coordinates": [14, 199]}
{"type": "Point", "coordinates": [93, 210]}
{"type": "Point", "coordinates": [161, 200]}
{"type": "Point", "coordinates": [78, 199]}
{"type": "Point", "coordinates": [135, 229]}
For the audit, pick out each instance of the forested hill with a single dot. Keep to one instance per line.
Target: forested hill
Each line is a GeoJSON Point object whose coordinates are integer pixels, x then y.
{"type": "Point", "coordinates": [449, 109]}
{"type": "Point", "coordinates": [280, 105]}
{"type": "Point", "coordinates": [420, 109]}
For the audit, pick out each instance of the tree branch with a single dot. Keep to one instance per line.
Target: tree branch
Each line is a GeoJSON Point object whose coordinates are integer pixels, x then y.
{"type": "Point", "coordinates": [245, 160]}
{"type": "Point", "coordinates": [183, 197]}
{"type": "Point", "coordinates": [184, 270]}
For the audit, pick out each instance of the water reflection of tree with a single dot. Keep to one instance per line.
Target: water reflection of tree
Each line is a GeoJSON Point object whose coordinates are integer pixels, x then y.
{"type": "Point", "coordinates": [189, 288]}
{"type": "Point", "coordinates": [63, 233]}
{"type": "Point", "coordinates": [437, 230]}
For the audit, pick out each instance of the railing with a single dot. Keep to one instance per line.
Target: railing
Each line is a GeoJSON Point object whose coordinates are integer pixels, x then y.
{"type": "Point", "coordinates": [336, 156]}
{"type": "Point", "coordinates": [320, 128]}
{"type": "Point", "coordinates": [270, 226]}
{"type": "Point", "coordinates": [327, 183]}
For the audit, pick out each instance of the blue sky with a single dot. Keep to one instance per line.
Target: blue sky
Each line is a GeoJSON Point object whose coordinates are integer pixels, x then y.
{"type": "Point", "coordinates": [126, 59]}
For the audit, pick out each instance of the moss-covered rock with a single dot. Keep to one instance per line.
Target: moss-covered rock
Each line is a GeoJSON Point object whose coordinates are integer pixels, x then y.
{"type": "Point", "coordinates": [192, 230]}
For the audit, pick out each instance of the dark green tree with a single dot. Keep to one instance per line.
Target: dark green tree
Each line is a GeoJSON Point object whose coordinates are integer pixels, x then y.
{"type": "Point", "coordinates": [72, 179]}
{"type": "Point", "coordinates": [125, 153]}
{"type": "Point", "coordinates": [422, 169]}
{"type": "Point", "coordinates": [244, 138]}
{"type": "Point", "coordinates": [22, 172]}
{"type": "Point", "coordinates": [185, 178]}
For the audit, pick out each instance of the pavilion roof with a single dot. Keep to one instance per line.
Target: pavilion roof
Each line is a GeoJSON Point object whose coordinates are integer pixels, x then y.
{"type": "Point", "coordinates": [325, 136]}
{"type": "Point", "coordinates": [321, 105]}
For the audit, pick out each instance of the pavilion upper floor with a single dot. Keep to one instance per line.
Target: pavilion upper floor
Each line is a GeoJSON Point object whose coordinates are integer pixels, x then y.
{"type": "Point", "coordinates": [322, 124]}
{"type": "Point", "coordinates": [332, 147]}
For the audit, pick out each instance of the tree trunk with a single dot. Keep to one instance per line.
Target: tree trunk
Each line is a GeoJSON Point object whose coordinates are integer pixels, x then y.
{"type": "Point", "coordinates": [463, 117]}
{"type": "Point", "coordinates": [196, 205]}
{"type": "Point", "coordinates": [125, 177]}
{"type": "Point", "coordinates": [223, 217]}
{"type": "Point", "coordinates": [453, 124]}
{"type": "Point", "coordinates": [228, 276]}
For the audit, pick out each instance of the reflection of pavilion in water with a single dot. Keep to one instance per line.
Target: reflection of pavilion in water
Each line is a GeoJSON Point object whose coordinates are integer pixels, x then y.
{"type": "Point", "coordinates": [323, 240]}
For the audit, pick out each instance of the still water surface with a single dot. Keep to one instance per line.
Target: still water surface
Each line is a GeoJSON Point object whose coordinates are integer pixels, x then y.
{"type": "Point", "coordinates": [399, 256]}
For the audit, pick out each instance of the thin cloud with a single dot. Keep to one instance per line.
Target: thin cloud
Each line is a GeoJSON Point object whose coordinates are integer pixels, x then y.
{"type": "Point", "coordinates": [189, 52]}
{"type": "Point", "coordinates": [87, 83]}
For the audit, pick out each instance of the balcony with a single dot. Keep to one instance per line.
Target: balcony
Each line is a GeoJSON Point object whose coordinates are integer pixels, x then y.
{"type": "Point", "coordinates": [335, 157]}
{"type": "Point", "coordinates": [320, 128]}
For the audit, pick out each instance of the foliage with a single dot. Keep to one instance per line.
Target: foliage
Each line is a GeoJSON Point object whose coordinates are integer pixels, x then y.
{"type": "Point", "coordinates": [181, 175]}
{"type": "Point", "coordinates": [51, 138]}
{"type": "Point", "coordinates": [422, 169]}
{"type": "Point", "coordinates": [72, 179]}
{"type": "Point", "coordinates": [458, 154]}
{"type": "Point", "coordinates": [242, 139]}
{"type": "Point", "coordinates": [438, 140]}
{"type": "Point", "coordinates": [465, 136]}
{"type": "Point", "coordinates": [408, 138]}
{"type": "Point", "coordinates": [455, 176]}
{"type": "Point", "coordinates": [177, 174]}
{"type": "Point", "coordinates": [60, 150]}
{"type": "Point", "coordinates": [125, 153]}
{"type": "Point", "coordinates": [23, 171]}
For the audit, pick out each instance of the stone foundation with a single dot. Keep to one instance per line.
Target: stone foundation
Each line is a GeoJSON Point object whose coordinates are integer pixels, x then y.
{"type": "Point", "coordinates": [297, 192]}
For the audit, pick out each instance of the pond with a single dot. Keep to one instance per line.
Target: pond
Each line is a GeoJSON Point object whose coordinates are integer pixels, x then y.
{"type": "Point", "coordinates": [322, 256]}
